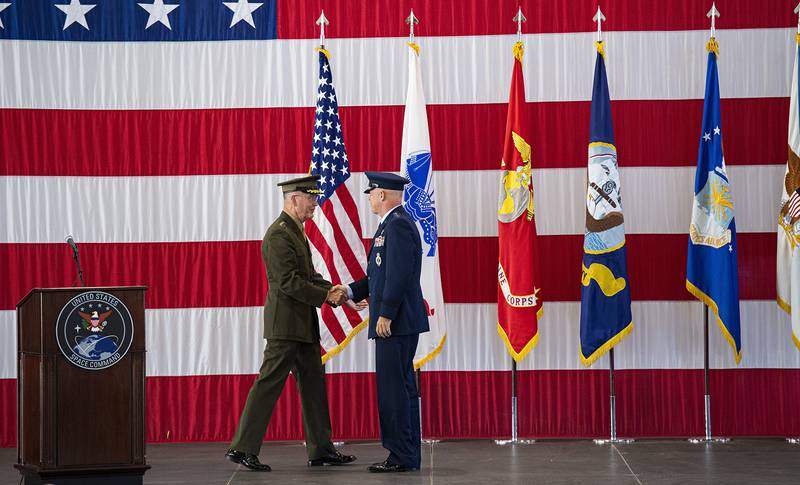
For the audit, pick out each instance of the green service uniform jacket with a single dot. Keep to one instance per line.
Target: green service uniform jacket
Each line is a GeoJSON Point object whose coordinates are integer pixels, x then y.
{"type": "Point", "coordinates": [292, 331]}
{"type": "Point", "coordinates": [295, 289]}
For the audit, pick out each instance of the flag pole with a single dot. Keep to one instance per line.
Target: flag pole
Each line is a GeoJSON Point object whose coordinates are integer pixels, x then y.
{"type": "Point", "coordinates": [613, 403]}
{"type": "Point", "coordinates": [612, 394]}
{"type": "Point", "coordinates": [427, 441]}
{"type": "Point", "coordinates": [712, 14]}
{"type": "Point", "coordinates": [419, 401]}
{"type": "Point", "coordinates": [518, 19]}
{"type": "Point", "coordinates": [514, 431]}
{"type": "Point", "coordinates": [599, 18]}
{"type": "Point", "coordinates": [796, 441]}
{"type": "Point", "coordinates": [411, 20]}
{"type": "Point", "coordinates": [322, 22]}
{"type": "Point", "coordinates": [707, 393]}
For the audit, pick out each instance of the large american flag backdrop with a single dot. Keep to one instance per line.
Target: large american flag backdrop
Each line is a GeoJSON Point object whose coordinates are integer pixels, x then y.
{"type": "Point", "coordinates": [159, 148]}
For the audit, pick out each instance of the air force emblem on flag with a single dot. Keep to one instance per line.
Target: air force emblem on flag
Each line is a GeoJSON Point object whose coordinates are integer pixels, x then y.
{"type": "Point", "coordinates": [712, 212]}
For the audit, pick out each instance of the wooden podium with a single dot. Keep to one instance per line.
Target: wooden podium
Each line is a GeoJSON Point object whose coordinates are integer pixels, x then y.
{"type": "Point", "coordinates": [81, 386]}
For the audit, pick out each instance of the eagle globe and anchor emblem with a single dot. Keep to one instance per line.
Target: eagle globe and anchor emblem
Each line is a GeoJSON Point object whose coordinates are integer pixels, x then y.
{"type": "Point", "coordinates": [515, 201]}
{"type": "Point", "coordinates": [94, 330]}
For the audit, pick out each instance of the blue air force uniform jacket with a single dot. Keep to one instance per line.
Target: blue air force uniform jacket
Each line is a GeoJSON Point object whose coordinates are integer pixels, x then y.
{"type": "Point", "coordinates": [393, 277]}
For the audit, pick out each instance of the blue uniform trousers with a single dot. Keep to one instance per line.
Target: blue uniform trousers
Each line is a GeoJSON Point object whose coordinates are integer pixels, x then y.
{"type": "Point", "coordinates": [398, 399]}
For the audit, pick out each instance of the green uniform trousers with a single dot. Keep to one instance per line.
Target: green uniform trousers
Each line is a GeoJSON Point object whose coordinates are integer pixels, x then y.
{"type": "Point", "coordinates": [304, 361]}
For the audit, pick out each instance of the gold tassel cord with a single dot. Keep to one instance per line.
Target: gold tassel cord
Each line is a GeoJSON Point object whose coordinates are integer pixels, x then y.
{"type": "Point", "coordinates": [519, 50]}
{"type": "Point", "coordinates": [601, 48]}
{"type": "Point", "coordinates": [713, 46]}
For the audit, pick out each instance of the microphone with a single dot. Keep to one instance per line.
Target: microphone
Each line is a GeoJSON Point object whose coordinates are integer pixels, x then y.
{"type": "Point", "coordinates": [72, 244]}
{"type": "Point", "coordinates": [74, 247]}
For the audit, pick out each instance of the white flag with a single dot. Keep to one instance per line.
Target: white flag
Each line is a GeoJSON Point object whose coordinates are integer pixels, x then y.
{"type": "Point", "coordinates": [419, 202]}
{"type": "Point", "coordinates": [788, 284]}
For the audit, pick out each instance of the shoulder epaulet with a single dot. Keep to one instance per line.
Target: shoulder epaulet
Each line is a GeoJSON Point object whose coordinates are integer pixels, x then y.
{"type": "Point", "coordinates": [278, 228]}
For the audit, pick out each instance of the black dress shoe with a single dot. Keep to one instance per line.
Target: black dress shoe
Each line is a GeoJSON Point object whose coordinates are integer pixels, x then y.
{"type": "Point", "coordinates": [247, 460]}
{"type": "Point", "coordinates": [386, 467]}
{"type": "Point", "coordinates": [334, 459]}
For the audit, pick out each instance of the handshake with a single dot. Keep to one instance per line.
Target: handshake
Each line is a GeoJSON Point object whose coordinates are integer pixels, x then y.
{"type": "Point", "coordinates": [337, 295]}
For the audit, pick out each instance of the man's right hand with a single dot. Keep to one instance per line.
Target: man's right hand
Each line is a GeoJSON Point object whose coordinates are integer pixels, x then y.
{"type": "Point", "coordinates": [337, 295]}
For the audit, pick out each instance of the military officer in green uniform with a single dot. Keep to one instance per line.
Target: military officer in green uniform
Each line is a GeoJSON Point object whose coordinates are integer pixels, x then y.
{"type": "Point", "coordinates": [291, 328]}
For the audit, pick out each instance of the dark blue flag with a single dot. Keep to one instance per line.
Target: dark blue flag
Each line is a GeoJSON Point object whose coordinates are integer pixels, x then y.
{"type": "Point", "coordinates": [605, 292]}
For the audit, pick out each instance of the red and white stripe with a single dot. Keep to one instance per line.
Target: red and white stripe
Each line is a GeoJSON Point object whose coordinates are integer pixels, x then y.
{"type": "Point", "coordinates": [794, 205]}
{"type": "Point", "coordinates": [339, 256]}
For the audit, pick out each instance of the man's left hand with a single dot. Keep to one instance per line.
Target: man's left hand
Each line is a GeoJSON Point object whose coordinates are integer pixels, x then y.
{"type": "Point", "coordinates": [357, 306]}
{"type": "Point", "coordinates": [384, 327]}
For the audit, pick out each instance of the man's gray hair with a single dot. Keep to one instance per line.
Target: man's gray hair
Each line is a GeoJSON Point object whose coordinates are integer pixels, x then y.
{"type": "Point", "coordinates": [288, 195]}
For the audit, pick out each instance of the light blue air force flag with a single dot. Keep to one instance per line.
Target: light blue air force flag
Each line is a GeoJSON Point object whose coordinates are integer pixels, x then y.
{"type": "Point", "coordinates": [605, 292]}
{"type": "Point", "coordinates": [712, 272]}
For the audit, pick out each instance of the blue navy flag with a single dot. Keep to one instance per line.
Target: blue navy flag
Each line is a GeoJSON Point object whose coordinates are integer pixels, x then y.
{"type": "Point", "coordinates": [712, 272]}
{"type": "Point", "coordinates": [605, 292]}
{"type": "Point", "coordinates": [334, 233]}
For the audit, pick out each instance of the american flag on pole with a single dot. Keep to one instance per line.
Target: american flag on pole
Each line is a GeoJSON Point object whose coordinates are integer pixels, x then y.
{"type": "Point", "coordinates": [335, 230]}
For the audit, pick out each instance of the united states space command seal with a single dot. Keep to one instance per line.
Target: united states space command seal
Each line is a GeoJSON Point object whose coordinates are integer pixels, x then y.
{"type": "Point", "coordinates": [94, 330]}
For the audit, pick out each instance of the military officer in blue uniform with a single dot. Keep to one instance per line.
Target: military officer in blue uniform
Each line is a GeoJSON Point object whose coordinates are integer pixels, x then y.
{"type": "Point", "coordinates": [397, 316]}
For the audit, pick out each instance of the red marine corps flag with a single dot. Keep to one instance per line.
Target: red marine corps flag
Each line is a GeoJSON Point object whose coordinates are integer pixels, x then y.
{"type": "Point", "coordinates": [519, 304]}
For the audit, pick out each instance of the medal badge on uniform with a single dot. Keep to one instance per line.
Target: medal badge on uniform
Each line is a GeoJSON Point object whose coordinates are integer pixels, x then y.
{"type": "Point", "coordinates": [379, 243]}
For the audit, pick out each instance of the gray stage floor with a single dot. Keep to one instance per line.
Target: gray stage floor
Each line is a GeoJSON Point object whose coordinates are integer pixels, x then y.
{"type": "Point", "coordinates": [745, 461]}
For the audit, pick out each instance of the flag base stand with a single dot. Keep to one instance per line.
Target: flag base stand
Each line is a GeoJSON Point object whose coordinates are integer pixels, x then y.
{"type": "Point", "coordinates": [702, 441]}
{"type": "Point", "coordinates": [708, 438]}
{"type": "Point", "coordinates": [424, 441]}
{"type": "Point", "coordinates": [707, 404]}
{"type": "Point", "coordinates": [514, 437]}
{"type": "Point", "coordinates": [514, 442]}
{"type": "Point", "coordinates": [794, 441]}
{"type": "Point", "coordinates": [614, 441]}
